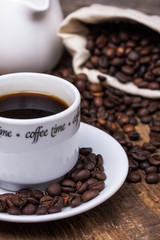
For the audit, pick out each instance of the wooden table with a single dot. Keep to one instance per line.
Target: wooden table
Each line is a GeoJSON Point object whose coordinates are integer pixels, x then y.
{"type": "Point", "coordinates": [132, 213]}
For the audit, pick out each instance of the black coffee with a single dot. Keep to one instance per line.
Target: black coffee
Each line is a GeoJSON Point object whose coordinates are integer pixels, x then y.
{"type": "Point", "coordinates": [28, 105]}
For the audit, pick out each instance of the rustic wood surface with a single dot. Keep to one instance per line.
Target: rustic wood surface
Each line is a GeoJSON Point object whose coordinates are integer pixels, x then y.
{"type": "Point", "coordinates": [133, 213]}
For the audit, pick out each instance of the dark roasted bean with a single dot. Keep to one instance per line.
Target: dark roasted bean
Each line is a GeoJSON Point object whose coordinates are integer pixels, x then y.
{"type": "Point", "coordinates": [29, 209]}
{"type": "Point", "coordinates": [139, 155]}
{"type": "Point", "coordinates": [149, 147]}
{"type": "Point", "coordinates": [24, 193]}
{"type": "Point", "coordinates": [57, 201]}
{"type": "Point", "coordinates": [74, 201]}
{"type": "Point", "coordinates": [45, 201]}
{"type": "Point", "coordinates": [89, 194]}
{"type": "Point", "coordinates": [143, 165]}
{"type": "Point", "coordinates": [151, 169]}
{"type": "Point", "coordinates": [81, 187]}
{"type": "Point", "coordinates": [82, 175]}
{"type": "Point", "coordinates": [14, 210]}
{"type": "Point", "coordinates": [54, 209]}
{"type": "Point", "coordinates": [37, 194]}
{"type": "Point", "coordinates": [41, 211]}
{"type": "Point", "coordinates": [68, 183]}
{"type": "Point", "coordinates": [152, 178]}
{"type": "Point", "coordinates": [134, 136]}
{"type": "Point", "coordinates": [85, 151]}
{"type": "Point", "coordinates": [97, 185]}
{"type": "Point", "coordinates": [128, 128]}
{"type": "Point", "coordinates": [19, 201]}
{"type": "Point", "coordinates": [3, 206]}
{"type": "Point", "coordinates": [54, 189]}
{"type": "Point", "coordinates": [133, 177]}
{"type": "Point", "coordinates": [99, 175]}
{"type": "Point", "coordinates": [155, 160]}
{"type": "Point", "coordinates": [133, 164]}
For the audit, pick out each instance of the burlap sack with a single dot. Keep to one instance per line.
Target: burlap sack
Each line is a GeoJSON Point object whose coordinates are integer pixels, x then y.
{"type": "Point", "coordinates": [73, 32]}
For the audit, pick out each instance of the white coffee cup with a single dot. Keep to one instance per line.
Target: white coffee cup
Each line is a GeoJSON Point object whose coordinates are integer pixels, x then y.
{"type": "Point", "coordinates": [35, 152]}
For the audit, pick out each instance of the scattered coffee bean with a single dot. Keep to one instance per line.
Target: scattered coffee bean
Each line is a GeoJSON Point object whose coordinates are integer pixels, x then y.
{"type": "Point", "coordinates": [152, 178]}
{"type": "Point", "coordinates": [151, 169]}
{"type": "Point", "coordinates": [133, 177]}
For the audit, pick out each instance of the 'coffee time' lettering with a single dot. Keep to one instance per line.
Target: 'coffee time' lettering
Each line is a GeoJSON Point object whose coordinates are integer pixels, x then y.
{"type": "Point", "coordinates": [57, 128]}
{"type": "Point", "coordinates": [5, 133]}
{"type": "Point", "coordinates": [38, 133]}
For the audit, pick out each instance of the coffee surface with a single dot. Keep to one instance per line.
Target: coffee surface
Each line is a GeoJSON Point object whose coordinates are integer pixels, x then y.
{"type": "Point", "coordinates": [28, 105]}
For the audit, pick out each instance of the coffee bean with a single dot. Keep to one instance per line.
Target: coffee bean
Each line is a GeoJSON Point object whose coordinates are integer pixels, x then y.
{"type": "Point", "coordinates": [122, 77]}
{"type": "Point", "coordinates": [82, 175]}
{"type": "Point", "coordinates": [41, 211]}
{"type": "Point", "coordinates": [9, 202]}
{"type": "Point", "coordinates": [134, 136]}
{"type": "Point", "coordinates": [54, 189]}
{"type": "Point", "coordinates": [74, 201]}
{"type": "Point", "coordinates": [6, 195]}
{"type": "Point", "coordinates": [133, 177]}
{"type": "Point", "coordinates": [89, 194]}
{"type": "Point", "coordinates": [19, 201]}
{"type": "Point", "coordinates": [142, 112]}
{"type": "Point", "coordinates": [37, 194]}
{"type": "Point", "coordinates": [123, 119]}
{"type": "Point", "coordinates": [155, 160]}
{"type": "Point", "coordinates": [97, 185]}
{"type": "Point", "coordinates": [148, 147]}
{"type": "Point", "coordinates": [127, 69]}
{"type": "Point", "coordinates": [152, 178]}
{"type": "Point", "coordinates": [139, 155]}
{"type": "Point", "coordinates": [91, 180]}
{"type": "Point", "coordinates": [143, 165]}
{"type": "Point", "coordinates": [3, 206]}
{"type": "Point", "coordinates": [24, 193]}
{"type": "Point", "coordinates": [57, 201]}
{"type": "Point", "coordinates": [14, 211]}
{"type": "Point", "coordinates": [156, 71]}
{"type": "Point", "coordinates": [146, 119]}
{"type": "Point", "coordinates": [133, 164]}
{"type": "Point", "coordinates": [81, 187]}
{"type": "Point", "coordinates": [68, 183]}
{"type": "Point", "coordinates": [81, 85]}
{"type": "Point", "coordinates": [45, 201]}
{"type": "Point", "coordinates": [151, 169]}
{"type": "Point", "coordinates": [33, 201]}
{"type": "Point", "coordinates": [95, 87]}
{"type": "Point", "coordinates": [128, 128]}
{"type": "Point", "coordinates": [54, 209]}
{"type": "Point", "coordinates": [99, 175]}
{"type": "Point", "coordinates": [29, 209]}
{"type": "Point", "coordinates": [85, 151]}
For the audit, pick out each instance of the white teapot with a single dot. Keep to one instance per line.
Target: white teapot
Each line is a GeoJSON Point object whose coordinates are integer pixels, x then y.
{"type": "Point", "coordinates": [29, 40]}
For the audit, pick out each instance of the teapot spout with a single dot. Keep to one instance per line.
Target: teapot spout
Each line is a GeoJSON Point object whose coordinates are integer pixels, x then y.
{"type": "Point", "coordinates": [38, 5]}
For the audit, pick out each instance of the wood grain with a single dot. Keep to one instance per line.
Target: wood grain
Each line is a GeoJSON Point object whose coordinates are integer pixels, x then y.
{"type": "Point", "coordinates": [133, 213]}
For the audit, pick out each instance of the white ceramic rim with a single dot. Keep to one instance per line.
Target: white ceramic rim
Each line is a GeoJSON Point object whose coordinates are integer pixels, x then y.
{"type": "Point", "coordinates": [47, 119]}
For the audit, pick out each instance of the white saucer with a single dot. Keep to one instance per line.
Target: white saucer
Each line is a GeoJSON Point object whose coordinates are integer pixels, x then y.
{"type": "Point", "coordinates": [116, 169]}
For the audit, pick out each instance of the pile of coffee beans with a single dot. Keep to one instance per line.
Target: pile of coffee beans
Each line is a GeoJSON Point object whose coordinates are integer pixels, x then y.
{"type": "Point", "coordinates": [128, 51]}
{"type": "Point", "coordinates": [119, 114]}
{"type": "Point", "coordinates": [83, 183]}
